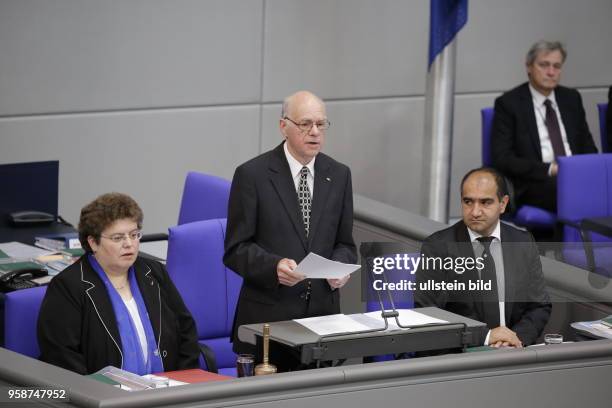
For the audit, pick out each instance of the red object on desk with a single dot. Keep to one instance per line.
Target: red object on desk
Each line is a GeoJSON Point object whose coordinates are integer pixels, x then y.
{"type": "Point", "coordinates": [195, 375]}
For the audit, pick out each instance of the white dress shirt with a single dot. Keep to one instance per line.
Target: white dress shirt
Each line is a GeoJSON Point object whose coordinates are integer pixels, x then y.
{"type": "Point", "coordinates": [548, 155]}
{"type": "Point", "coordinates": [296, 167]}
{"type": "Point", "coordinates": [498, 258]}
{"type": "Point", "coordinates": [142, 337]}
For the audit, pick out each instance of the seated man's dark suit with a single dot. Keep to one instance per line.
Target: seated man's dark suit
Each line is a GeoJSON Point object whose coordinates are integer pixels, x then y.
{"type": "Point", "coordinates": [515, 142]}
{"type": "Point", "coordinates": [265, 225]}
{"type": "Point", "coordinates": [527, 308]}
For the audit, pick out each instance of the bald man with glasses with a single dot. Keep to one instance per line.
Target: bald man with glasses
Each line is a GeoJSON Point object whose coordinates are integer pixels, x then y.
{"type": "Point", "coordinates": [284, 204]}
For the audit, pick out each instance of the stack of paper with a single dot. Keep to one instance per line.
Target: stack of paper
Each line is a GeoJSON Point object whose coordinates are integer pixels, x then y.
{"type": "Point", "coordinates": [596, 328]}
{"type": "Point", "coordinates": [18, 250]}
{"type": "Point", "coordinates": [341, 323]}
{"type": "Point", "coordinates": [332, 324]}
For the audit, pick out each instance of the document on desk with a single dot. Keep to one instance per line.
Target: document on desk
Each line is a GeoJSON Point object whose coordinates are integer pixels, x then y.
{"type": "Point", "coordinates": [595, 327]}
{"type": "Point", "coordinates": [22, 251]}
{"type": "Point", "coordinates": [407, 317]}
{"type": "Point", "coordinates": [332, 324]}
{"type": "Point", "coordinates": [317, 267]}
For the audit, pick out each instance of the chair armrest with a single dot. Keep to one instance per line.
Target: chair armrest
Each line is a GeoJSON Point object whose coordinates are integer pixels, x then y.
{"type": "Point", "coordinates": [569, 223]}
{"type": "Point", "coordinates": [160, 236]}
{"type": "Point", "coordinates": [209, 358]}
{"type": "Point", "coordinates": [586, 240]}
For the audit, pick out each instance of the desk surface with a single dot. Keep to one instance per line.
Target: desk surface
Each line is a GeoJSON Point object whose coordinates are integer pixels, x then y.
{"type": "Point", "coordinates": [433, 337]}
{"type": "Point", "coordinates": [578, 372]}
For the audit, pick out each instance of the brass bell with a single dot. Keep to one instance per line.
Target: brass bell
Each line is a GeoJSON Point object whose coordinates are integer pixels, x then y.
{"type": "Point", "coordinates": [265, 368]}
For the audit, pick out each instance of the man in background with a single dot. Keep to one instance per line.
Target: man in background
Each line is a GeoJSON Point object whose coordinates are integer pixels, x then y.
{"type": "Point", "coordinates": [537, 122]}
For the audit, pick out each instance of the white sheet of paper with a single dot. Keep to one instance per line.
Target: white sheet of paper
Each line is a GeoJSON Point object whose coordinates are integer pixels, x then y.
{"type": "Point", "coordinates": [23, 251]}
{"type": "Point", "coordinates": [338, 323]}
{"type": "Point", "coordinates": [407, 317]}
{"type": "Point", "coordinates": [594, 327]}
{"type": "Point", "coordinates": [317, 267]}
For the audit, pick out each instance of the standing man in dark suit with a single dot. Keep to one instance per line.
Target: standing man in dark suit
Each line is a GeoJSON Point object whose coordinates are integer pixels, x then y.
{"type": "Point", "coordinates": [517, 307]}
{"type": "Point", "coordinates": [537, 122]}
{"type": "Point", "coordinates": [283, 204]}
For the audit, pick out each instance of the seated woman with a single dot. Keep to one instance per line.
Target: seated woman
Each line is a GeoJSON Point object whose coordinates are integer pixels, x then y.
{"type": "Point", "coordinates": [112, 307]}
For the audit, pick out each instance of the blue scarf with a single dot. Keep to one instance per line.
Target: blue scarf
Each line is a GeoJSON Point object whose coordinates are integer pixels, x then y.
{"type": "Point", "coordinates": [133, 360]}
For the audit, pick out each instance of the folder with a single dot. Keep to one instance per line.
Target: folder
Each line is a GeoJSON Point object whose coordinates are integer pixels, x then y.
{"type": "Point", "coordinates": [58, 242]}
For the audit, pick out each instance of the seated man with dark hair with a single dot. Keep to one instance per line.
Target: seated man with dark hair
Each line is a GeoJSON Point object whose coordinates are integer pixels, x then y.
{"type": "Point", "coordinates": [516, 307]}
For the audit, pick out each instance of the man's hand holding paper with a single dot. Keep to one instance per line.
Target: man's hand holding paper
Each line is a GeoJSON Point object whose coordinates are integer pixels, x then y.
{"type": "Point", "coordinates": [338, 283]}
{"type": "Point", "coordinates": [286, 272]}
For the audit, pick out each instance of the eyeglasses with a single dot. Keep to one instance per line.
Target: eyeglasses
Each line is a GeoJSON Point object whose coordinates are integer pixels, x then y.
{"type": "Point", "coordinates": [307, 125]}
{"type": "Point", "coordinates": [119, 238]}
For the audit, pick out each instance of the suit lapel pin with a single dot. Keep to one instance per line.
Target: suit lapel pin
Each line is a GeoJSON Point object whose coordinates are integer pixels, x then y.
{"type": "Point", "coordinates": [327, 179]}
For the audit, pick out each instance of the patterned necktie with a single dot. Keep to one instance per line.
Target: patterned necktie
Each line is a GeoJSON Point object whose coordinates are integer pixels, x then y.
{"type": "Point", "coordinates": [489, 298]}
{"type": "Point", "coordinates": [305, 198]}
{"type": "Point", "coordinates": [554, 131]}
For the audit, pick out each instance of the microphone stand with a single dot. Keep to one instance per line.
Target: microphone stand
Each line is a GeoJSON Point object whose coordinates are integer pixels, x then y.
{"type": "Point", "coordinates": [387, 314]}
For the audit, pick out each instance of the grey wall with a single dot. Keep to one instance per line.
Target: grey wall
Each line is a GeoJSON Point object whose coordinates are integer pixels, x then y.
{"type": "Point", "coordinates": [131, 95]}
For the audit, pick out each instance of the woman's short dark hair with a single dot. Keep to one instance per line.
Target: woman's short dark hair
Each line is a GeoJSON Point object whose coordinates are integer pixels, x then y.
{"type": "Point", "coordinates": [102, 212]}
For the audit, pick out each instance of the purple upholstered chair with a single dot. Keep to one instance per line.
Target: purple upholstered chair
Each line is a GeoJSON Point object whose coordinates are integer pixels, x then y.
{"type": "Point", "coordinates": [209, 289]}
{"type": "Point", "coordinates": [585, 191]}
{"type": "Point", "coordinates": [603, 109]}
{"type": "Point", "coordinates": [526, 216]}
{"type": "Point", "coordinates": [20, 317]}
{"type": "Point", "coordinates": [204, 197]}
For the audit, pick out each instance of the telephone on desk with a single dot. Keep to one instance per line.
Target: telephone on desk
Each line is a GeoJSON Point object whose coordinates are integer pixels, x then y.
{"type": "Point", "coordinates": [31, 218]}
{"type": "Point", "coordinates": [14, 278]}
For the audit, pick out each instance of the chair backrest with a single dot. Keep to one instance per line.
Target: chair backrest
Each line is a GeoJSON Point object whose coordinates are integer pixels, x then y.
{"type": "Point", "coordinates": [20, 318]}
{"type": "Point", "coordinates": [204, 197]}
{"type": "Point", "coordinates": [195, 264]}
{"type": "Point", "coordinates": [487, 115]}
{"type": "Point", "coordinates": [584, 189]}
{"type": "Point", "coordinates": [603, 109]}
{"type": "Point", "coordinates": [487, 128]}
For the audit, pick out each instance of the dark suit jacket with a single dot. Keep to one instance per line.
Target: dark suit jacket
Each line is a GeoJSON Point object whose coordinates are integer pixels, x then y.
{"type": "Point", "coordinates": [77, 328]}
{"type": "Point", "coordinates": [527, 307]}
{"type": "Point", "coordinates": [265, 225]}
{"type": "Point", "coordinates": [515, 143]}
